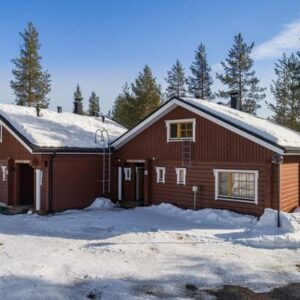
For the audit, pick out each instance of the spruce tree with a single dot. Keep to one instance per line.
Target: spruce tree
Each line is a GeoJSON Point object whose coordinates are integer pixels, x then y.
{"type": "Point", "coordinates": [147, 94]}
{"type": "Point", "coordinates": [31, 84]}
{"type": "Point", "coordinates": [94, 107]}
{"type": "Point", "coordinates": [123, 109]}
{"type": "Point", "coordinates": [201, 81]}
{"type": "Point", "coordinates": [239, 76]}
{"type": "Point", "coordinates": [176, 81]}
{"type": "Point", "coordinates": [78, 101]}
{"type": "Point", "coordinates": [286, 91]}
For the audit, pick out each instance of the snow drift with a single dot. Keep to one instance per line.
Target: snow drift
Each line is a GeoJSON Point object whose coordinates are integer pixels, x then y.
{"type": "Point", "coordinates": [101, 203]}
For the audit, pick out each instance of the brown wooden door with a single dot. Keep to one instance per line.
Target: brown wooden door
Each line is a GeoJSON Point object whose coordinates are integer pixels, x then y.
{"type": "Point", "coordinates": [26, 184]}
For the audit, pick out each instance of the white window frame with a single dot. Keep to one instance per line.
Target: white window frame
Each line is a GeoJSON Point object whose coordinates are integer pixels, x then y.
{"type": "Point", "coordinates": [127, 174]}
{"type": "Point", "coordinates": [4, 173]}
{"type": "Point", "coordinates": [236, 199]}
{"type": "Point", "coordinates": [158, 179]}
{"type": "Point", "coordinates": [178, 177]}
{"type": "Point", "coordinates": [168, 124]}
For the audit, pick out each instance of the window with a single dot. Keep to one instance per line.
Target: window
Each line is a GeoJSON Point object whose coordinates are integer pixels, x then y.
{"type": "Point", "coordinates": [181, 175]}
{"type": "Point", "coordinates": [236, 185]}
{"type": "Point", "coordinates": [178, 130]}
{"type": "Point", "coordinates": [160, 174]}
{"type": "Point", "coordinates": [127, 174]}
{"type": "Point", "coordinates": [4, 173]}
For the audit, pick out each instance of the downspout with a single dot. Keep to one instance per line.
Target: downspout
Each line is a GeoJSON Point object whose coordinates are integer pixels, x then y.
{"type": "Point", "coordinates": [50, 188]}
{"type": "Point", "coordinates": [277, 160]}
{"type": "Point", "coordinates": [278, 197]}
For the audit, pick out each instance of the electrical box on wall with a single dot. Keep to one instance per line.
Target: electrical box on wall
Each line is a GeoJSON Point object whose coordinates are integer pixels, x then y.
{"type": "Point", "coordinates": [195, 189]}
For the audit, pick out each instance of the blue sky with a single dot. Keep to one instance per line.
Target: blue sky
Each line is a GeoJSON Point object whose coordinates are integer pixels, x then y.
{"type": "Point", "coordinates": [103, 44]}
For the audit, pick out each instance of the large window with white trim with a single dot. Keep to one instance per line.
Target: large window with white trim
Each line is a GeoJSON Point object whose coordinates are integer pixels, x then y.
{"type": "Point", "coordinates": [236, 185]}
{"type": "Point", "coordinates": [181, 130]}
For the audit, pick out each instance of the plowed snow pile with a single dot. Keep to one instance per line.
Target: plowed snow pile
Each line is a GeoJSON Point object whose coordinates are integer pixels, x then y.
{"type": "Point", "coordinates": [265, 233]}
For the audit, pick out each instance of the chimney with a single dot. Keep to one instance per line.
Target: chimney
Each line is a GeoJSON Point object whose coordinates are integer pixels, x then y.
{"type": "Point", "coordinates": [59, 109]}
{"type": "Point", "coordinates": [235, 101]}
{"type": "Point", "coordinates": [76, 105]}
{"type": "Point", "coordinates": [78, 109]}
{"type": "Point", "coordinates": [103, 118]}
{"type": "Point", "coordinates": [38, 111]}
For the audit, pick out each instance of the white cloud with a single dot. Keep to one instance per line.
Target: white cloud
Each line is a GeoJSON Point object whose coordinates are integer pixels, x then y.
{"type": "Point", "coordinates": [284, 41]}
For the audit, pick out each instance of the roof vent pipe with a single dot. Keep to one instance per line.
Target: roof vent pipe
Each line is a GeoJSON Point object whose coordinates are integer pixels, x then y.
{"type": "Point", "coordinates": [235, 100]}
{"type": "Point", "coordinates": [59, 109]}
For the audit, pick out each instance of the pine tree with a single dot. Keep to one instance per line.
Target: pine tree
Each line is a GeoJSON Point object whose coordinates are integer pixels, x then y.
{"type": "Point", "coordinates": [94, 107]}
{"type": "Point", "coordinates": [123, 108]}
{"type": "Point", "coordinates": [31, 84]}
{"type": "Point", "coordinates": [201, 81]}
{"type": "Point", "coordinates": [176, 81]}
{"type": "Point", "coordinates": [147, 94]}
{"type": "Point", "coordinates": [239, 76]}
{"type": "Point", "coordinates": [78, 101]}
{"type": "Point", "coordinates": [286, 91]}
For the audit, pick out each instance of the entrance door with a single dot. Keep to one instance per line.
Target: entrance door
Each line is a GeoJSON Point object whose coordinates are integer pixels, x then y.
{"type": "Point", "coordinates": [26, 184]}
{"type": "Point", "coordinates": [139, 183]}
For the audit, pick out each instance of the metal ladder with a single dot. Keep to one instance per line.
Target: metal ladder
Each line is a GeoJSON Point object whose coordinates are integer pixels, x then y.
{"type": "Point", "coordinates": [186, 153]}
{"type": "Point", "coordinates": [106, 158]}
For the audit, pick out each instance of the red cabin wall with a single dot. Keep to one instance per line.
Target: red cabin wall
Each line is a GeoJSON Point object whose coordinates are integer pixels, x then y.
{"type": "Point", "coordinates": [76, 180]}
{"type": "Point", "coordinates": [215, 148]}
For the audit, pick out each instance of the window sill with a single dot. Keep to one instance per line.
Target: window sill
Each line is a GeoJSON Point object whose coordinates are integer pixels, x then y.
{"type": "Point", "coordinates": [255, 202]}
{"type": "Point", "coordinates": [181, 140]}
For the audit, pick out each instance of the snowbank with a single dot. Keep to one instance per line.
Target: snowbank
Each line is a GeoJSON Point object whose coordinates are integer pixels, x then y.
{"type": "Point", "coordinates": [101, 203]}
{"type": "Point", "coordinates": [207, 216]}
{"type": "Point", "coordinates": [297, 210]}
{"type": "Point", "coordinates": [266, 234]}
{"type": "Point", "coordinates": [262, 233]}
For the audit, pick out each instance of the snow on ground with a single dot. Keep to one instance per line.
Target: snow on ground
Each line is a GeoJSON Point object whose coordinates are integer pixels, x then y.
{"type": "Point", "coordinates": [54, 129]}
{"type": "Point", "coordinates": [143, 253]}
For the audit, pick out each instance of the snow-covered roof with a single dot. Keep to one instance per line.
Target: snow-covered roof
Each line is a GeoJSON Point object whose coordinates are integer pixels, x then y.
{"type": "Point", "coordinates": [272, 132]}
{"type": "Point", "coordinates": [56, 130]}
{"type": "Point", "coordinates": [264, 132]}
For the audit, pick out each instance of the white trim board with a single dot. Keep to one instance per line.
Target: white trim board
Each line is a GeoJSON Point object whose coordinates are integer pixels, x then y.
{"type": "Point", "coordinates": [175, 103]}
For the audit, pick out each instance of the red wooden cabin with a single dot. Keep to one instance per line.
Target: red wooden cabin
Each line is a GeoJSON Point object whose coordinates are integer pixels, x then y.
{"type": "Point", "coordinates": [222, 154]}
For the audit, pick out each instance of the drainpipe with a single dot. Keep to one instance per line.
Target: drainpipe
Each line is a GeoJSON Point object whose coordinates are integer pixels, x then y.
{"type": "Point", "coordinates": [277, 160]}
{"type": "Point", "coordinates": [50, 188]}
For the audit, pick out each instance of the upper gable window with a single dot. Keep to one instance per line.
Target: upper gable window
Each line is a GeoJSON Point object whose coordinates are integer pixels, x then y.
{"type": "Point", "coordinates": [181, 130]}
